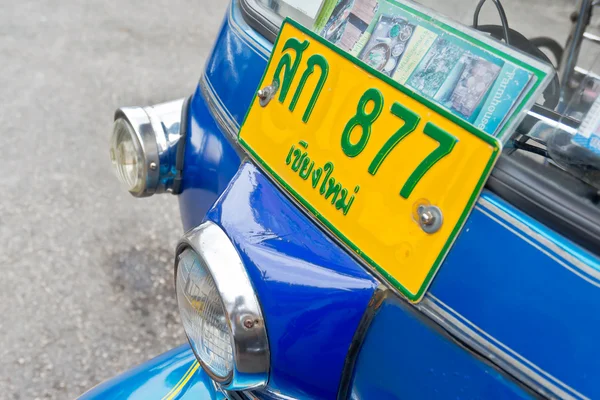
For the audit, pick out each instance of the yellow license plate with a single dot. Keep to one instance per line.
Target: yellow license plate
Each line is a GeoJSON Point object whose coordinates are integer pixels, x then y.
{"type": "Point", "coordinates": [388, 173]}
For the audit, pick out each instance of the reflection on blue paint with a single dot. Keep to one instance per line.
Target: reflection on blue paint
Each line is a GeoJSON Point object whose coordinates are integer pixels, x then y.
{"type": "Point", "coordinates": [157, 379]}
{"type": "Point", "coordinates": [313, 295]}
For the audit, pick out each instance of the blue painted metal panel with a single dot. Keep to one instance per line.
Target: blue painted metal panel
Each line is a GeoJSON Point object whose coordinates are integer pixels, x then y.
{"type": "Point", "coordinates": [232, 74]}
{"type": "Point", "coordinates": [236, 65]}
{"type": "Point", "coordinates": [313, 295]}
{"type": "Point", "coordinates": [164, 377]}
{"type": "Point", "coordinates": [210, 162]}
{"type": "Point", "coordinates": [529, 290]}
{"type": "Point", "coordinates": [524, 289]}
{"type": "Point", "coordinates": [532, 296]}
{"type": "Point", "coordinates": [403, 357]}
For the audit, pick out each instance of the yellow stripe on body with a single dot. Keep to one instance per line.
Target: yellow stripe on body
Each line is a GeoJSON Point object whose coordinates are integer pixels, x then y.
{"type": "Point", "coordinates": [182, 382]}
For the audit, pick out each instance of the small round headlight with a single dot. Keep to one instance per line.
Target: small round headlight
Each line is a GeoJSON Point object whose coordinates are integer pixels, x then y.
{"type": "Point", "coordinates": [203, 315]}
{"type": "Point", "coordinates": [219, 309]}
{"type": "Point", "coordinates": [127, 156]}
{"type": "Point", "coordinates": [144, 146]}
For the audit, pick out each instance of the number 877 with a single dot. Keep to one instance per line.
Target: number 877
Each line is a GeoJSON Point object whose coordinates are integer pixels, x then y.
{"type": "Point", "coordinates": [366, 119]}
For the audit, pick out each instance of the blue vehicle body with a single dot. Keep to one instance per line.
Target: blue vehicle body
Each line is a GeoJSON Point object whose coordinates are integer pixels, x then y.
{"type": "Point", "coordinates": [512, 313]}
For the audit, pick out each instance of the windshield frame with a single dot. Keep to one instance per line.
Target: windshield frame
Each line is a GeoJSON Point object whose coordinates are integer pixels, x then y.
{"type": "Point", "coordinates": [263, 20]}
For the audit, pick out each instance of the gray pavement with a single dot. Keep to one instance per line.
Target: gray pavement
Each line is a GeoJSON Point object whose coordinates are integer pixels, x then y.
{"type": "Point", "coordinates": [86, 270]}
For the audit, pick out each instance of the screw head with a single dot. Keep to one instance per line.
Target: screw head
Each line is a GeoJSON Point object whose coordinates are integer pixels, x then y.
{"type": "Point", "coordinates": [266, 94]}
{"type": "Point", "coordinates": [153, 166]}
{"type": "Point", "coordinates": [248, 323]}
{"type": "Point", "coordinates": [430, 218]}
{"type": "Point", "coordinates": [427, 217]}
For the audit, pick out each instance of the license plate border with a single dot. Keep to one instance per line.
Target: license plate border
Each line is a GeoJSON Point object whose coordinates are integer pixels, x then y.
{"type": "Point", "coordinates": [331, 230]}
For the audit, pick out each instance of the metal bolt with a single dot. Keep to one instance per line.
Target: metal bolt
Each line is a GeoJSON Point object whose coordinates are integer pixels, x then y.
{"type": "Point", "coordinates": [427, 217]}
{"type": "Point", "coordinates": [266, 94]}
{"type": "Point", "coordinates": [248, 323]}
{"type": "Point", "coordinates": [153, 166]}
{"type": "Point", "coordinates": [430, 218]}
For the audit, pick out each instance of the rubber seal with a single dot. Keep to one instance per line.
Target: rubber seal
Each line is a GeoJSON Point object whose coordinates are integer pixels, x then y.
{"type": "Point", "coordinates": [180, 155]}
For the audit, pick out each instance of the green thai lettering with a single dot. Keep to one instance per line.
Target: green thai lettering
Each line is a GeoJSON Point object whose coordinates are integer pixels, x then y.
{"type": "Point", "coordinates": [328, 168]}
{"type": "Point", "coordinates": [341, 204]}
{"type": "Point", "coordinates": [314, 60]}
{"type": "Point", "coordinates": [316, 177]}
{"type": "Point", "coordinates": [293, 151]}
{"type": "Point", "coordinates": [288, 66]}
{"type": "Point", "coordinates": [342, 200]}
{"type": "Point", "coordinates": [334, 189]}
{"type": "Point", "coordinates": [331, 189]}
{"type": "Point", "coordinates": [298, 157]}
{"type": "Point", "coordinates": [288, 159]}
{"type": "Point", "coordinates": [306, 169]}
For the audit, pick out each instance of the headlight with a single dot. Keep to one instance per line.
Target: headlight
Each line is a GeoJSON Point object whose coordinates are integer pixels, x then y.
{"type": "Point", "coordinates": [220, 311]}
{"type": "Point", "coordinates": [127, 156]}
{"type": "Point", "coordinates": [203, 315]}
{"type": "Point", "coordinates": [143, 147]}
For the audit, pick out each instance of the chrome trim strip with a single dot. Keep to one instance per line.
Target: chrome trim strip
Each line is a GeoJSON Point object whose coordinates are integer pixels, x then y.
{"type": "Point", "coordinates": [591, 37]}
{"type": "Point", "coordinates": [278, 395]}
{"type": "Point", "coordinates": [552, 123]}
{"type": "Point", "coordinates": [221, 115]}
{"type": "Point", "coordinates": [238, 29]}
{"type": "Point", "coordinates": [592, 275]}
{"type": "Point", "coordinates": [532, 243]}
{"type": "Point", "coordinates": [583, 71]}
{"type": "Point", "coordinates": [266, 20]}
{"type": "Point", "coordinates": [495, 351]}
{"type": "Point", "coordinates": [211, 95]}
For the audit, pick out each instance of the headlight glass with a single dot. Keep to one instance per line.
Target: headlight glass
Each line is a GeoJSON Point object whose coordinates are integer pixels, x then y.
{"type": "Point", "coordinates": [127, 156]}
{"type": "Point", "coordinates": [203, 315]}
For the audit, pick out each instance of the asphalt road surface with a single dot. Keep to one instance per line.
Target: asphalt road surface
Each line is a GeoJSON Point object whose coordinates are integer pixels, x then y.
{"type": "Point", "coordinates": [86, 270]}
{"type": "Point", "coordinates": [86, 282]}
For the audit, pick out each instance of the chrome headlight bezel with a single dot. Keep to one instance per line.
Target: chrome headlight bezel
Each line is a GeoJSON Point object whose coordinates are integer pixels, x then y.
{"type": "Point", "coordinates": [249, 341]}
{"type": "Point", "coordinates": [156, 131]}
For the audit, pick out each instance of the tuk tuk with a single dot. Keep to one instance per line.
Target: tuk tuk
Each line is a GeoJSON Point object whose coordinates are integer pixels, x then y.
{"type": "Point", "coordinates": [380, 201]}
